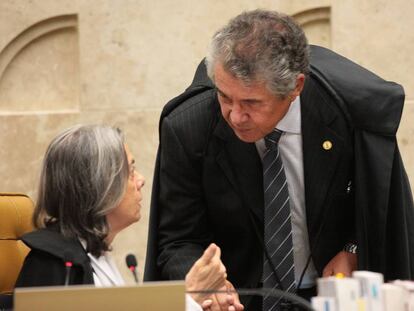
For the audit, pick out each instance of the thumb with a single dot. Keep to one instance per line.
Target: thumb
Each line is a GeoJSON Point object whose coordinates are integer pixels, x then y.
{"type": "Point", "coordinates": [209, 253]}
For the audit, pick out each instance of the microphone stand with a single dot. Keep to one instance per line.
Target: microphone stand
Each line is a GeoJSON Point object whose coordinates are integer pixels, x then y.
{"type": "Point", "coordinates": [134, 272]}
{"type": "Point", "coordinates": [68, 267]}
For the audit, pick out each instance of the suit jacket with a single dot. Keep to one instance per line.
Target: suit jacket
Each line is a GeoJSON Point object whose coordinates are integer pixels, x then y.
{"type": "Point", "coordinates": [208, 184]}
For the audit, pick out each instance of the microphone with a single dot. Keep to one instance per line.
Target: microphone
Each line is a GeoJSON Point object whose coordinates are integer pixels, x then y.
{"type": "Point", "coordinates": [131, 262]}
{"type": "Point", "coordinates": [68, 259]}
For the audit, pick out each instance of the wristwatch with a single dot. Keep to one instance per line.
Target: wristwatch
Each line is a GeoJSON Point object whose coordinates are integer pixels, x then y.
{"type": "Point", "coordinates": [350, 248]}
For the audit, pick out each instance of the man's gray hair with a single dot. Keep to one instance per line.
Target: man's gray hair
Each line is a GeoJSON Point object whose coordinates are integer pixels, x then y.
{"type": "Point", "coordinates": [84, 176]}
{"type": "Point", "coordinates": [261, 46]}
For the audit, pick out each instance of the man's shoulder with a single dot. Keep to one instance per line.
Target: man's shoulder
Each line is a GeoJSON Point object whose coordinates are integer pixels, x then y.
{"type": "Point", "coordinates": [197, 106]}
{"type": "Point", "coordinates": [192, 115]}
{"type": "Point", "coordinates": [197, 103]}
{"type": "Point", "coordinates": [192, 122]}
{"type": "Point", "coordinates": [371, 102]}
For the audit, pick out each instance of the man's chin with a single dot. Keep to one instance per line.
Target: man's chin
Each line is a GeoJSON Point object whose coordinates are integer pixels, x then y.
{"type": "Point", "coordinates": [247, 136]}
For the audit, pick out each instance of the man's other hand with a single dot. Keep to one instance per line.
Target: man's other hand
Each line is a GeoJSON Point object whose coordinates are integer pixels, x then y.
{"type": "Point", "coordinates": [343, 262]}
{"type": "Point", "coordinates": [226, 301]}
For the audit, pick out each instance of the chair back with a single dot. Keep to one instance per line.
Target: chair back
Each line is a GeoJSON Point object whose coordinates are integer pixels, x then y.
{"type": "Point", "coordinates": [16, 212]}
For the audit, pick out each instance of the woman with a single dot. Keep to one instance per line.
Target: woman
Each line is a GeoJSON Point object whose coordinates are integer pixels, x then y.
{"type": "Point", "coordinates": [90, 191]}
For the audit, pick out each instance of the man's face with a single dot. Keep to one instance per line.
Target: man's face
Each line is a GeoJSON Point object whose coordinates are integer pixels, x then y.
{"type": "Point", "coordinates": [250, 110]}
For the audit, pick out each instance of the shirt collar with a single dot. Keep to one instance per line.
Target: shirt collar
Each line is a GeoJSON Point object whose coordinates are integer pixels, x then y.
{"type": "Point", "coordinates": [291, 122]}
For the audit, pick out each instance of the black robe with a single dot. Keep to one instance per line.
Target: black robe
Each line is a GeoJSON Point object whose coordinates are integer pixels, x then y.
{"type": "Point", "coordinates": [45, 263]}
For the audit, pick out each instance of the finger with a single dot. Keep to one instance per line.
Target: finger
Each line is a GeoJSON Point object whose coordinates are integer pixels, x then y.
{"type": "Point", "coordinates": [222, 269]}
{"type": "Point", "coordinates": [230, 299]}
{"type": "Point", "coordinates": [216, 304]}
{"type": "Point", "coordinates": [327, 272]}
{"type": "Point", "coordinates": [218, 252]}
{"type": "Point", "coordinates": [208, 254]}
{"type": "Point", "coordinates": [222, 301]}
{"type": "Point", "coordinates": [206, 304]}
{"type": "Point", "coordinates": [234, 296]}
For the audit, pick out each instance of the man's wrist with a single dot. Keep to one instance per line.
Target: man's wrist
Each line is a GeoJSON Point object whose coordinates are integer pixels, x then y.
{"type": "Point", "coordinates": [350, 248]}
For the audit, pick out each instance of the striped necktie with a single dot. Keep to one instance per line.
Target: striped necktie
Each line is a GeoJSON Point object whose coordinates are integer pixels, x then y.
{"type": "Point", "coordinates": [277, 222]}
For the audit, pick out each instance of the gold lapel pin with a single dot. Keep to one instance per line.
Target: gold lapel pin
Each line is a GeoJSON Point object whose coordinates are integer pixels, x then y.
{"type": "Point", "coordinates": [327, 145]}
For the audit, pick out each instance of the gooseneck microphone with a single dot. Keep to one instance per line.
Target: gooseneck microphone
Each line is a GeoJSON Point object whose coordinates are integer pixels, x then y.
{"type": "Point", "coordinates": [131, 262]}
{"type": "Point", "coordinates": [68, 260]}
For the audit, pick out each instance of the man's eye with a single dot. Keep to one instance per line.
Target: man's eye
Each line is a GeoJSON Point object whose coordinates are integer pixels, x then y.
{"type": "Point", "coordinates": [224, 99]}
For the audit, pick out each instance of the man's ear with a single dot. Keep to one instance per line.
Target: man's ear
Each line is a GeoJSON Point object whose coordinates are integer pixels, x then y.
{"type": "Point", "coordinates": [300, 82]}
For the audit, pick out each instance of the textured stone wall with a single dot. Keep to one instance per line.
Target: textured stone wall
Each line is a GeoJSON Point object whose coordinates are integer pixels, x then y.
{"type": "Point", "coordinates": [118, 62]}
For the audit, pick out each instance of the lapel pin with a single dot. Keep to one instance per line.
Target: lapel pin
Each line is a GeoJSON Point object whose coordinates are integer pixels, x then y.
{"type": "Point", "coordinates": [327, 145]}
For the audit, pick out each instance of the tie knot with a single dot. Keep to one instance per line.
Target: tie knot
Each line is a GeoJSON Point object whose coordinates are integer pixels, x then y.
{"type": "Point", "coordinates": [272, 139]}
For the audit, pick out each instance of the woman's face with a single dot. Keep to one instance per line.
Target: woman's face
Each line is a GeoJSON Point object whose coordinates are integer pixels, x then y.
{"type": "Point", "coordinates": [128, 211]}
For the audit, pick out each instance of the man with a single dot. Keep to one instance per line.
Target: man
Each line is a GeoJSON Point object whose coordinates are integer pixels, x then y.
{"type": "Point", "coordinates": [291, 167]}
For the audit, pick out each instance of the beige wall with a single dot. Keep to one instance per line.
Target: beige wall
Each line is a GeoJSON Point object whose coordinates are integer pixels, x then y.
{"type": "Point", "coordinates": [118, 62]}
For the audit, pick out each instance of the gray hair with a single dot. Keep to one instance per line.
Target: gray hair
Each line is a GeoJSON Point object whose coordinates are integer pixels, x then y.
{"type": "Point", "coordinates": [84, 176]}
{"type": "Point", "coordinates": [261, 46]}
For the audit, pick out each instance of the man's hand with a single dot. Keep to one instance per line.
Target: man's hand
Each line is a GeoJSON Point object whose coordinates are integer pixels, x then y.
{"type": "Point", "coordinates": [343, 262]}
{"type": "Point", "coordinates": [207, 273]}
{"type": "Point", "coordinates": [225, 301]}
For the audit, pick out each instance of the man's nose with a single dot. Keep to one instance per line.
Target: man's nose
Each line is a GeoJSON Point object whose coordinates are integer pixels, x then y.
{"type": "Point", "coordinates": [238, 115]}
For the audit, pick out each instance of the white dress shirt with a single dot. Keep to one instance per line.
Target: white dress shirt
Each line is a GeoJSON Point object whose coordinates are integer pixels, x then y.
{"type": "Point", "coordinates": [290, 146]}
{"type": "Point", "coordinates": [105, 272]}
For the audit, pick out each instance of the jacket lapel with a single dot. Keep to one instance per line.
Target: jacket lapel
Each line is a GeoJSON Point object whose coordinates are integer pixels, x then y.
{"type": "Point", "coordinates": [242, 166]}
{"type": "Point", "coordinates": [322, 149]}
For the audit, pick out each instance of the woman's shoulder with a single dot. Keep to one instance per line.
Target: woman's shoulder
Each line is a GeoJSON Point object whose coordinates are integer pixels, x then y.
{"type": "Point", "coordinates": [45, 263]}
{"type": "Point", "coordinates": [51, 242]}
{"type": "Point", "coordinates": [41, 269]}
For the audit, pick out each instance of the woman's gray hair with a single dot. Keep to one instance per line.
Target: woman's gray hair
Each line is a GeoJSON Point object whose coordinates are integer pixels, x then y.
{"type": "Point", "coordinates": [261, 46]}
{"type": "Point", "coordinates": [84, 176]}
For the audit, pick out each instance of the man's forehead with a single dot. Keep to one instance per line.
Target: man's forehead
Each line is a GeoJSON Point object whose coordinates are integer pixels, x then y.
{"type": "Point", "coordinates": [237, 88]}
{"type": "Point", "coordinates": [252, 80]}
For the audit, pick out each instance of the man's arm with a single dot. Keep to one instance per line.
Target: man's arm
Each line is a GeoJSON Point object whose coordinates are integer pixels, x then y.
{"type": "Point", "coordinates": [183, 228]}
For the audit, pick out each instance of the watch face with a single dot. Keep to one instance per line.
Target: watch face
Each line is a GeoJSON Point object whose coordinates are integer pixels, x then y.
{"type": "Point", "coordinates": [351, 248]}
